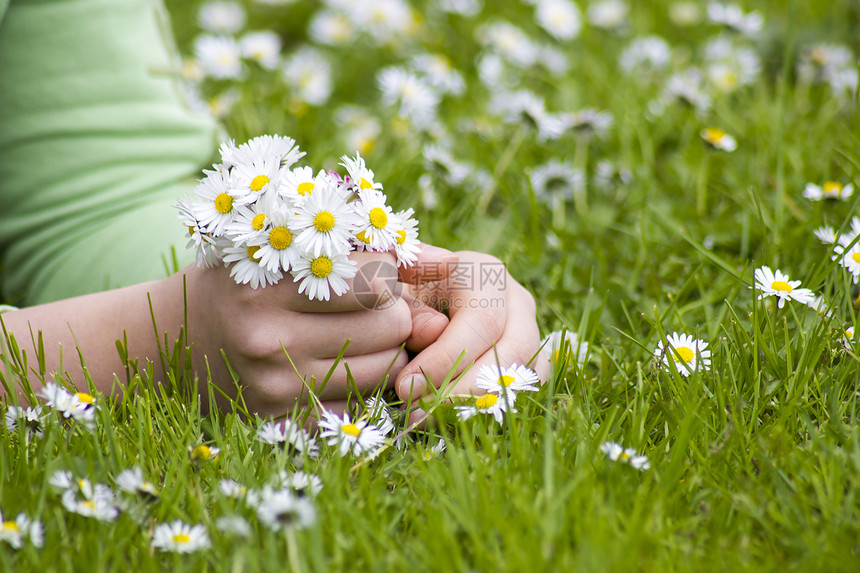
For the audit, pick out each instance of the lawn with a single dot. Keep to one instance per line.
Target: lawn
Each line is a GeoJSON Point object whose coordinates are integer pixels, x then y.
{"type": "Point", "coordinates": [643, 168]}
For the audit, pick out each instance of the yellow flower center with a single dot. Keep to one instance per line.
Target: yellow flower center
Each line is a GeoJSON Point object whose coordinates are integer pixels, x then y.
{"type": "Point", "coordinates": [85, 398]}
{"type": "Point", "coordinates": [89, 504]}
{"type": "Point", "coordinates": [362, 236]}
{"type": "Point", "coordinates": [624, 456]}
{"type": "Point", "coordinates": [365, 184]}
{"type": "Point", "coordinates": [223, 203]}
{"type": "Point", "coordinates": [252, 250]}
{"type": "Point", "coordinates": [684, 353]}
{"type": "Point", "coordinates": [191, 230]}
{"type": "Point", "coordinates": [181, 538]}
{"type": "Point", "coordinates": [305, 188]}
{"type": "Point", "coordinates": [321, 267]}
{"type": "Point", "coordinates": [259, 182]}
{"type": "Point", "coordinates": [506, 380]}
{"type": "Point", "coordinates": [324, 222]}
{"type": "Point", "coordinates": [781, 285]}
{"type": "Point", "coordinates": [378, 218]}
{"type": "Point", "coordinates": [351, 429]}
{"type": "Point", "coordinates": [258, 221]}
{"type": "Point", "coordinates": [201, 452]}
{"type": "Point", "coordinates": [9, 526]}
{"type": "Point", "coordinates": [832, 187]}
{"type": "Point", "coordinates": [856, 257]}
{"type": "Point", "coordinates": [714, 135]}
{"type": "Point", "coordinates": [280, 238]}
{"type": "Point", "coordinates": [401, 237]}
{"type": "Point", "coordinates": [486, 401]}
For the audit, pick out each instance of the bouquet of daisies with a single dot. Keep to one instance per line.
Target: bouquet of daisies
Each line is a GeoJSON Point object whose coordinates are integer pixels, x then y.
{"type": "Point", "coordinates": [264, 218]}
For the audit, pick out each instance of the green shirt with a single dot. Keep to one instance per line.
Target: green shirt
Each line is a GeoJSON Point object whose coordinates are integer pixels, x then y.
{"type": "Point", "coordinates": [96, 146]}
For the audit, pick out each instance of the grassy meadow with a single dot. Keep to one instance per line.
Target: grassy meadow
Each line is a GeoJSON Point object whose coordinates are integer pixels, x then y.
{"type": "Point", "coordinates": [633, 164]}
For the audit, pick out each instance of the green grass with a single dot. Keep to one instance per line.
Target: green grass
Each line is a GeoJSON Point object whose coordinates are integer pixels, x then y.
{"type": "Point", "coordinates": [755, 464]}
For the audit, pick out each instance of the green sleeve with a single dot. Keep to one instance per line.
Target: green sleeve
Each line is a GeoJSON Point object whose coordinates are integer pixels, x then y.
{"type": "Point", "coordinates": [96, 146]}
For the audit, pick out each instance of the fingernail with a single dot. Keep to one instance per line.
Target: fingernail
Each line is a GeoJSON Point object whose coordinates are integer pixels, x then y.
{"type": "Point", "coordinates": [419, 386]}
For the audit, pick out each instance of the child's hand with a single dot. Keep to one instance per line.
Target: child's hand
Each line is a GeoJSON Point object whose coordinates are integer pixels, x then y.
{"type": "Point", "coordinates": [492, 319]}
{"type": "Point", "coordinates": [258, 328]}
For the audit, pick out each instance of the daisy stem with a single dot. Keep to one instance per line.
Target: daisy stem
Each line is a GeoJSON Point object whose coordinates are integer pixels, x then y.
{"type": "Point", "coordinates": [702, 186]}
{"type": "Point", "coordinates": [293, 551]}
{"type": "Point", "coordinates": [580, 160]}
{"type": "Point", "coordinates": [504, 161]}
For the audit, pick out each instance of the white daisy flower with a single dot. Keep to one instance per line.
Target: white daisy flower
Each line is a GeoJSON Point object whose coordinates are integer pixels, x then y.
{"type": "Point", "coordinates": [300, 482]}
{"type": "Point", "coordinates": [271, 433]}
{"type": "Point", "coordinates": [439, 159]}
{"type": "Point", "coordinates": [247, 268]}
{"type": "Point", "coordinates": [378, 413]}
{"type": "Point", "coordinates": [132, 481]}
{"type": "Point", "coordinates": [734, 18]}
{"type": "Point", "coordinates": [719, 139]}
{"type": "Point", "coordinates": [216, 207]}
{"type": "Point", "coordinates": [253, 221]}
{"type": "Point", "coordinates": [591, 122]}
{"type": "Point", "coordinates": [79, 406]}
{"type": "Point", "coordinates": [96, 502]}
{"type": "Point", "coordinates": [357, 437]}
{"type": "Point", "coordinates": [437, 71]}
{"type": "Point", "coordinates": [487, 404]}
{"type": "Point", "coordinates": [218, 56]}
{"type": "Point", "coordinates": [526, 108]}
{"type": "Point", "coordinates": [279, 251]}
{"type": "Point", "coordinates": [359, 175]}
{"type": "Point", "coordinates": [264, 47]}
{"type": "Point", "coordinates": [775, 283]}
{"type": "Point", "coordinates": [331, 28]}
{"type": "Point", "coordinates": [320, 276]}
{"type": "Point", "coordinates": [644, 56]}
{"type": "Point", "coordinates": [360, 130]}
{"type": "Point", "coordinates": [232, 488]}
{"type": "Point", "coordinates": [308, 72]}
{"type": "Point", "coordinates": [200, 240]}
{"type": "Point", "coordinates": [819, 305]}
{"type": "Point", "coordinates": [411, 96]}
{"type": "Point", "coordinates": [685, 13]}
{"type": "Point", "coordinates": [615, 452]}
{"type": "Point", "coordinates": [687, 353]}
{"type": "Point", "coordinates": [376, 224]}
{"type": "Point", "coordinates": [848, 337]}
{"type": "Point", "coordinates": [556, 181]}
{"type": "Point", "coordinates": [435, 451]}
{"type": "Point", "coordinates": [560, 18]}
{"type": "Point", "coordinates": [203, 453]}
{"type": "Point", "coordinates": [568, 342]}
{"type": "Point", "coordinates": [324, 223]}
{"type": "Point", "coordinates": [688, 87]}
{"type": "Point", "coordinates": [406, 245]}
{"type": "Point", "coordinates": [507, 381]}
{"type": "Point", "coordinates": [730, 65]}
{"type": "Point", "coordinates": [29, 418]}
{"type": "Point", "coordinates": [279, 510]}
{"type": "Point", "coordinates": [23, 528]}
{"type": "Point", "coordinates": [462, 7]}
{"type": "Point", "coordinates": [62, 480]}
{"type": "Point", "coordinates": [828, 190]}
{"type": "Point", "coordinates": [233, 525]}
{"type": "Point", "coordinates": [826, 235]}
{"type": "Point", "coordinates": [514, 45]}
{"type": "Point", "coordinates": [180, 537]}
{"type": "Point", "coordinates": [849, 258]}
{"type": "Point", "coordinates": [221, 17]}
{"type": "Point", "coordinates": [300, 183]}
{"type": "Point", "coordinates": [607, 14]}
